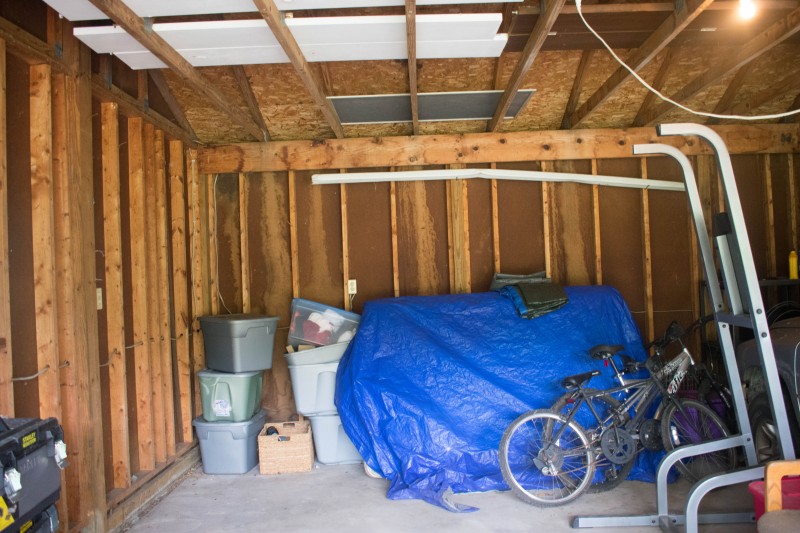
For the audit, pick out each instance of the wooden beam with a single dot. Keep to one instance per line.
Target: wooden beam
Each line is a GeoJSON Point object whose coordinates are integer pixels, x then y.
{"type": "Point", "coordinates": [775, 34]}
{"type": "Point", "coordinates": [6, 361]}
{"type": "Point", "coordinates": [163, 300]}
{"type": "Point", "coordinates": [395, 252]}
{"type": "Point", "coordinates": [143, 88]}
{"type": "Point", "coordinates": [293, 242]}
{"type": "Point", "coordinates": [172, 103]}
{"type": "Point", "coordinates": [181, 317]}
{"type": "Point", "coordinates": [577, 84]}
{"type": "Point", "coordinates": [281, 32]}
{"type": "Point", "coordinates": [44, 274]}
{"type": "Point", "coordinates": [481, 148]}
{"type": "Point", "coordinates": [123, 16]}
{"type": "Point", "coordinates": [250, 99]}
{"type": "Point", "coordinates": [348, 301]}
{"type": "Point", "coordinates": [795, 106]}
{"type": "Point", "coordinates": [731, 91]}
{"type": "Point", "coordinates": [547, 224]}
{"type": "Point", "coordinates": [29, 48]}
{"type": "Point", "coordinates": [685, 13]}
{"type": "Point", "coordinates": [793, 202]}
{"type": "Point", "coordinates": [198, 250]}
{"type": "Point", "coordinates": [647, 259]}
{"type": "Point", "coordinates": [598, 249]}
{"type": "Point", "coordinates": [151, 283]}
{"type": "Point", "coordinates": [131, 107]}
{"type": "Point", "coordinates": [213, 245]}
{"type": "Point", "coordinates": [495, 225]}
{"type": "Point", "coordinates": [411, 40]}
{"type": "Point", "coordinates": [115, 304]}
{"type": "Point", "coordinates": [789, 84]}
{"type": "Point", "coordinates": [658, 84]}
{"type": "Point", "coordinates": [538, 35]}
{"type": "Point", "coordinates": [653, 7]}
{"type": "Point", "coordinates": [244, 238]}
{"type": "Point", "coordinates": [145, 430]}
{"type": "Point", "coordinates": [769, 235]}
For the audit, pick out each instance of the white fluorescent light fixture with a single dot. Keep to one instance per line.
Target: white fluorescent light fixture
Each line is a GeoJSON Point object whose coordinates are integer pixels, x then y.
{"type": "Point", "coordinates": [499, 174]}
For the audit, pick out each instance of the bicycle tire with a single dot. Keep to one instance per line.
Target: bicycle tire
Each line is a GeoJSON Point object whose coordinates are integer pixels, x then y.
{"type": "Point", "coordinates": [525, 443]}
{"type": "Point", "coordinates": [694, 423]}
{"type": "Point", "coordinates": [607, 475]}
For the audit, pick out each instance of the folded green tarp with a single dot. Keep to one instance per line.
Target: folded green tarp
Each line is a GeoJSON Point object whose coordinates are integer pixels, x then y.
{"type": "Point", "coordinates": [534, 299]}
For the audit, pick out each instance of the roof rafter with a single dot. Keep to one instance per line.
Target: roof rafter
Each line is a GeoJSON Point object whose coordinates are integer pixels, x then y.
{"type": "Point", "coordinates": [411, 39]}
{"type": "Point", "coordinates": [792, 118]}
{"type": "Point", "coordinates": [683, 15]}
{"type": "Point", "coordinates": [247, 92]}
{"type": "Point", "coordinates": [577, 84]}
{"type": "Point", "coordinates": [274, 19]}
{"type": "Point", "coordinates": [172, 103]}
{"type": "Point", "coordinates": [538, 35]}
{"type": "Point", "coordinates": [778, 32]}
{"type": "Point", "coordinates": [658, 84]}
{"type": "Point", "coordinates": [731, 91]}
{"type": "Point", "coordinates": [789, 84]}
{"type": "Point", "coordinates": [123, 16]}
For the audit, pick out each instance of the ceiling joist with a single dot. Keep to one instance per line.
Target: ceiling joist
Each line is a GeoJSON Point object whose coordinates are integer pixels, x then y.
{"type": "Point", "coordinates": [172, 103]}
{"type": "Point", "coordinates": [247, 93]}
{"type": "Point", "coordinates": [411, 38]}
{"type": "Point", "coordinates": [543, 25]}
{"type": "Point", "coordinates": [577, 85]}
{"type": "Point", "coordinates": [124, 17]}
{"type": "Point", "coordinates": [775, 34]}
{"type": "Point", "coordinates": [276, 23]}
{"type": "Point", "coordinates": [658, 85]}
{"type": "Point", "coordinates": [683, 15]}
{"type": "Point", "coordinates": [787, 85]}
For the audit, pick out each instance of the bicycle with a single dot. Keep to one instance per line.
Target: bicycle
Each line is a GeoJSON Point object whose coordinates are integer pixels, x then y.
{"type": "Point", "coordinates": [548, 458]}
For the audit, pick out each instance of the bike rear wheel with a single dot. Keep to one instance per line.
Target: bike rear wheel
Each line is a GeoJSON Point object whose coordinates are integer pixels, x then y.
{"type": "Point", "coordinates": [541, 470]}
{"type": "Point", "coordinates": [608, 475]}
{"type": "Point", "coordinates": [691, 422]}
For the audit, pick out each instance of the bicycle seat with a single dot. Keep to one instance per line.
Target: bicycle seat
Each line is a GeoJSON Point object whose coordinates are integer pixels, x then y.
{"type": "Point", "coordinates": [604, 351]}
{"type": "Point", "coordinates": [573, 382]}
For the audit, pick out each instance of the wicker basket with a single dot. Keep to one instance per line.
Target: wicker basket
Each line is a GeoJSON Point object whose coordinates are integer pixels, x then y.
{"type": "Point", "coordinates": [290, 450]}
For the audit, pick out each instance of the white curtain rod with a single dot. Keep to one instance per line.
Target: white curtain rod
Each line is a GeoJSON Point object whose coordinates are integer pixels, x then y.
{"type": "Point", "coordinates": [514, 175]}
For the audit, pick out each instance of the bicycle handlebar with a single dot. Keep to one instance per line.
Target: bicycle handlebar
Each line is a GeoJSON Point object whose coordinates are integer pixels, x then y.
{"type": "Point", "coordinates": [675, 332]}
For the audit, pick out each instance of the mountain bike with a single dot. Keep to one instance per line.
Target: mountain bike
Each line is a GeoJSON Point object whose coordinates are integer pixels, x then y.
{"type": "Point", "coordinates": [548, 458]}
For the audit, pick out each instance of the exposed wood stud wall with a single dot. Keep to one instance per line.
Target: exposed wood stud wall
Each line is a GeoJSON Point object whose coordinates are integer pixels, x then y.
{"type": "Point", "coordinates": [598, 267]}
{"type": "Point", "coordinates": [546, 221]}
{"type": "Point", "coordinates": [244, 232]}
{"type": "Point", "coordinates": [770, 226]}
{"type": "Point", "coordinates": [144, 458]}
{"type": "Point", "coordinates": [293, 235]}
{"type": "Point", "coordinates": [793, 203]}
{"type": "Point", "coordinates": [345, 246]}
{"type": "Point", "coordinates": [395, 253]}
{"type": "Point", "coordinates": [182, 312]}
{"type": "Point", "coordinates": [44, 246]}
{"type": "Point", "coordinates": [114, 299]}
{"type": "Point", "coordinates": [648, 262]}
{"type": "Point", "coordinates": [198, 246]}
{"type": "Point", "coordinates": [495, 227]}
{"type": "Point", "coordinates": [6, 364]}
{"type": "Point", "coordinates": [213, 246]}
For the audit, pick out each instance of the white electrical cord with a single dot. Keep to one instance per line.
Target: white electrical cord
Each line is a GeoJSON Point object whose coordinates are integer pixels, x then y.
{"type": "Point", "coordinates": [667, 99]}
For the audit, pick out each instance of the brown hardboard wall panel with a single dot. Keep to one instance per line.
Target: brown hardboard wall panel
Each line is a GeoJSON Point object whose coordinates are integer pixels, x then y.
{"type": "Point", "coordinates": [319, 240]}
{"type": "Point", "coordinates": [226, 251]}
{"type": "Point", "coordinates": [481, 245]}
{"type": "Point", "coordinates": [369, 230]}
{"type": "Point", "coordinates": [100, 268]}
{"type": "Point", "coordinates": [621, 237]}
{"type": "Point", "coordinates": [521, 225]}
{"type": "Point", "coordinates": [572, 227]}
{"type": "Point", "coordinates": [422, 238]}
{"type": "Point", "coordinates": [671, 235]}
{"type": "Point", "coordinates": [20, 237]}
{"type": "Point", "coordinates": [782, 208]}
{"type": "Point", "coordinates": [749, 172]}
{"type": "Point", "coordinates": [271, 278]}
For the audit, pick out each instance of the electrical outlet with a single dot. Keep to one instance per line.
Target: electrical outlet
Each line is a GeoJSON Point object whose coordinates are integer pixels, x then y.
{"type": "Point", "coordinates": [352, 288]}
{"type": "Point", "coordinates": [99, 298]}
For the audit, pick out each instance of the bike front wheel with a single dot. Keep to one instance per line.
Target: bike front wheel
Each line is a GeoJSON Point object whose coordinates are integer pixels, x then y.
{"type": "Point", "coordinates": [546, 459]}
{"type": "Point", "coordinates": [691, 422]}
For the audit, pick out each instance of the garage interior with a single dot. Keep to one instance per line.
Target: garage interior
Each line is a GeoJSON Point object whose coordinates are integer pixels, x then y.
{"type": "Point", "coordinates": [155, 185]}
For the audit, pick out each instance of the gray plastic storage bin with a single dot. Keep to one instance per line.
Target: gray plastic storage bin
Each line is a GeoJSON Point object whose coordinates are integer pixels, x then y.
{"type": "Point", "coordinates": [318, 356]}
{"type": "Point", "coordinates": [238, 343]}
{"type": "Point", "coordinates": [314, 387]}
{"type": "Point", "coordinates": [229, 447]}
{"type": "Point", "coordinates": [331, 443]}
{"type": "Point", "coordinates": [318, 324]}
{"type": "Point", "coordinates": [230, 397]}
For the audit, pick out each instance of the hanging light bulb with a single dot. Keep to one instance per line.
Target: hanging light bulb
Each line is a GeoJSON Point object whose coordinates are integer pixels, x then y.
{"type": "Point", "coordinates": [747, 9]}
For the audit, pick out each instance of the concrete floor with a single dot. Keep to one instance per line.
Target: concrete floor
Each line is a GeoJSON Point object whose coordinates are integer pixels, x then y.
{"type": "Point", "coordinates": [343, 499]}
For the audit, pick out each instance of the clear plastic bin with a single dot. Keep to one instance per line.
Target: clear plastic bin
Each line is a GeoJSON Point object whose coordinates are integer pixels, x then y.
{"type": "Point", "coordinates": [318, 324]}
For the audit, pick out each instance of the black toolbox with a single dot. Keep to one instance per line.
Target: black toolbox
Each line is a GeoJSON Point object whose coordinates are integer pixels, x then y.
{"type": "Point", "coordinates": [32, 455]}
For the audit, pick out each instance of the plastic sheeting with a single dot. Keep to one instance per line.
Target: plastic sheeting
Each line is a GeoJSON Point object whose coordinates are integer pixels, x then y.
{"type": "Point", "coordinates": [430, 383]}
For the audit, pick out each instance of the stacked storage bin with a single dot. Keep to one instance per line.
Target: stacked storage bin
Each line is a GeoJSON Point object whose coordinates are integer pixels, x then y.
{"type": "Point", "coordinates": [313, 371]}
{"type": "Point", "coordinates": [238, 350]}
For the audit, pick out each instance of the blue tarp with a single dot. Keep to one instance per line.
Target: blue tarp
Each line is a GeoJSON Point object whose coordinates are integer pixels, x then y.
{"type": "Point", "coordinates": [430, 383]}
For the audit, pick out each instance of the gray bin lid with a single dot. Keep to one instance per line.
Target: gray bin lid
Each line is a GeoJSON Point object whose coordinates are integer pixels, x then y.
{"type": "Point", "coordinates": [236, 325]}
